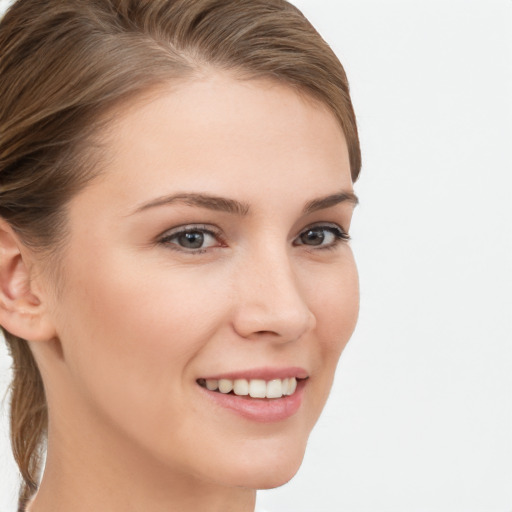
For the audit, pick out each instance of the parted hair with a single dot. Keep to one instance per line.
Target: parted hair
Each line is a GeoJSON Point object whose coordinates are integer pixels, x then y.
{"type": "Point", "coordinates": [65, 64]}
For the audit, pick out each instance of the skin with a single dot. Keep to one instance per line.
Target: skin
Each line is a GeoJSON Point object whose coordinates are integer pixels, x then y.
{"type": "Point", "coordinates": [138, 318]}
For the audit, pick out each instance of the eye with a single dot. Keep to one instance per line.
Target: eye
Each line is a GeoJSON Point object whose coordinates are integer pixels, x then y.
{"type": "Point", "coordinates": [193, 239]}
{"type": "Point", "coordinates": [323, 236]}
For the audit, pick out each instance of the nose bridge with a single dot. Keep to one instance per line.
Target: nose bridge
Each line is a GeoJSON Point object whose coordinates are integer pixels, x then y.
{"type": "Point", "coordinates": [270, 301]}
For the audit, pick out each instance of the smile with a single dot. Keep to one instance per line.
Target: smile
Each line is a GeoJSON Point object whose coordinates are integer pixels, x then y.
{"type": "Point", "coordinates": [262, 395]}
{"type": "Point", "coordinates": [255, 388]}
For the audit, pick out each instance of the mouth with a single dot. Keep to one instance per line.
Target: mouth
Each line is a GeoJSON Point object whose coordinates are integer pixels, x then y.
{"type": "Point", "coordinates": [254, 388]}
{"type": "Point", "coordinates": [259, 395]}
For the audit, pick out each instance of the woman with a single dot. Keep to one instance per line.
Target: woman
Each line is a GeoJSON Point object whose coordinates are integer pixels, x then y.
{"type": "Point", "coordinates": [177, 287]}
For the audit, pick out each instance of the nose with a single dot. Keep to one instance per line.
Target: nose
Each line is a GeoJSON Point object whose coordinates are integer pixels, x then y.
{"type": "Point", "coordinates": [269, 302]}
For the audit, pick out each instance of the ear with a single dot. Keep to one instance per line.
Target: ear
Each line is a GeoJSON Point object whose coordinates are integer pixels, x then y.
{"type": "Point", "coordinates": [23, 310]}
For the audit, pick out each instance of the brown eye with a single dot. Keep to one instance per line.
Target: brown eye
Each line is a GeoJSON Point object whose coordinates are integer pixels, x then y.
{"type": "Point", "coordinates": [314, 236]}
{"type": "Point", "coordinates": [322, 236]}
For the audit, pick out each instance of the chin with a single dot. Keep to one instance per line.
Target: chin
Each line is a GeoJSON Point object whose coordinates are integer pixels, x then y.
{"type": "Point", "coordinates": [270, 479]}
{"type": "Point", "coordinates": [276, 480]}
{"type": "Point", "coordinates": [278, 469]}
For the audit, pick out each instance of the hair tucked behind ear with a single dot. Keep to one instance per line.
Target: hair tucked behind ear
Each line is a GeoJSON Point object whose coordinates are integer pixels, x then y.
{"type": "Point", "coordinates": [65, 65]}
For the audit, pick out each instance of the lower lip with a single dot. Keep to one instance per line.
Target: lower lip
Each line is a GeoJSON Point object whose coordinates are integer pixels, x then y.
{"type": "Point", "coordinates": [263, 410]}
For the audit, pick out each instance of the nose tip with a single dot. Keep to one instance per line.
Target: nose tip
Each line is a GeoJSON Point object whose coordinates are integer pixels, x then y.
{"type": "Point", "coordinates": [272, 306]}
{"type": "Point", "coordinates": [284, 326]}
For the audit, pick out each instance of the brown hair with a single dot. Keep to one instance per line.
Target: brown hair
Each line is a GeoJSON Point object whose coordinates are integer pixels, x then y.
{"type": "Point", "coordinates": [64, 64]}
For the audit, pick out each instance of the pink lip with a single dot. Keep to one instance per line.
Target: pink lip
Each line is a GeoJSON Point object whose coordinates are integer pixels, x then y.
{"type": "Point", "coordinates": [262, 410]}
{"type": "Point", "coordinates": [265, 373]}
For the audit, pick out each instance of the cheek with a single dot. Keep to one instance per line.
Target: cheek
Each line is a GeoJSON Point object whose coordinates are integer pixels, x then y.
{"type": "Point", "coordinates": [335, 299]}
{"type": "Point", "coordinates": [129, 305]}
{"type": "Point", "coordinates": [130, 333]}
{"type": "Point", "coordinates": [336, 305]}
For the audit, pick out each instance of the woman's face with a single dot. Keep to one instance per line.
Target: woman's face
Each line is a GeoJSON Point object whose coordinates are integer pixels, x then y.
{"type": "Point", "coordinates": [211, 250]}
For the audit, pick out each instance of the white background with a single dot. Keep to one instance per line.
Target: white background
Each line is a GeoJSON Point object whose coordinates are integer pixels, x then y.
{"type": "Point", "coordinates": [420, 418]}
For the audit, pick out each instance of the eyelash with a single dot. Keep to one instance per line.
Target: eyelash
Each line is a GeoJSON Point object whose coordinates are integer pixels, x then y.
{"type": "Point", "coordinates": [340, 236]}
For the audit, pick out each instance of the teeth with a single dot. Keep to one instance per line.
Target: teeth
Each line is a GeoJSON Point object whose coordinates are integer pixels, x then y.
{"type": "Point", "coordinates": [212, 385]}
{"type": "Point", "coordinates": [275, 388]}
{"type": "Point", "coordinates": [256, 388]}
{"type": "Point", "coordinates": [241, 387]}
{"type": "Point", "coordinates": [225, 385]}
{"type": "Point", "coordinates": [292, 386]}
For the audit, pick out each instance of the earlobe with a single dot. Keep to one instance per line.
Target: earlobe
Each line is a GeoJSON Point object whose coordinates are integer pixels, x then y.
{"type": "Point", "coordinates": [22, 311]}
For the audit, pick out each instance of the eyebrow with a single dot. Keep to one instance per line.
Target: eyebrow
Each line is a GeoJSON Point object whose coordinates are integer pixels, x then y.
{"type": "Point", "coordinates": [235, 207]}
{"type": "Point", "coordinates": [222, 204]}
{"type": "Point", "coordinates": [327, 202]}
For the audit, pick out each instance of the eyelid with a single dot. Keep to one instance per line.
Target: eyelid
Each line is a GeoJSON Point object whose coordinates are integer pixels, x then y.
{"type": "Point", "coordinates": [207, 228]}
{"type": "Point", "coordinates": [333, 225]}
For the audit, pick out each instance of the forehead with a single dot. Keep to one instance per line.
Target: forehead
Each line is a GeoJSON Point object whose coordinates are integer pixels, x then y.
{"type": "Point", "coordinates": [218, 132]}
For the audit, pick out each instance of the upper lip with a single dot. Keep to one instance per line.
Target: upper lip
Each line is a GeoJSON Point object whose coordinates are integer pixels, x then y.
{"type": "Point", "coordinates": [265, 373]}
